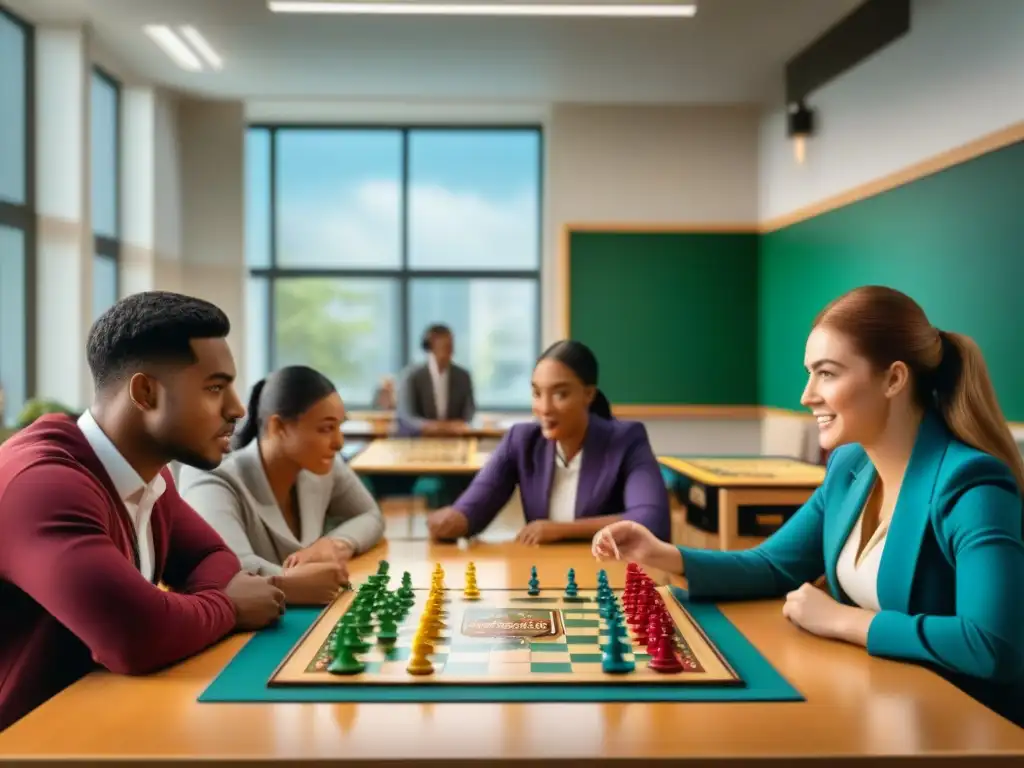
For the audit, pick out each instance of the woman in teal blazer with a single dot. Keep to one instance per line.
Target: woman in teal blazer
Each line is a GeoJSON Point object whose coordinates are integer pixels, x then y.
{"type": "Point", "coordinates": [917, 527]}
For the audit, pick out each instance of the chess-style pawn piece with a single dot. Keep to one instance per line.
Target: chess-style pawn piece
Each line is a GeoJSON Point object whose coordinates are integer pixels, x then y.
{"type": "Point", "coordinates": [664, 659]}
{"type": "Point", "coordinates": [571, 588]}
{"type": "Point", "coordinates": [387, 633]}
{"type": "Point", "coordinates": [534, 582]}
{"type": "Point", "coordinates": [613, 659]}
{"type": "Point", "coordinates": [419, 659]}
{"type": "Point", "coordinates": [471, 591]}
{"type": "Point", "coordinates": [343, 657]}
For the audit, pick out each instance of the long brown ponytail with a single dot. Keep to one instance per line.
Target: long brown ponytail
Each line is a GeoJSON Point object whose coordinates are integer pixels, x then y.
{"type": "Point", "coordinates": [949, 369]}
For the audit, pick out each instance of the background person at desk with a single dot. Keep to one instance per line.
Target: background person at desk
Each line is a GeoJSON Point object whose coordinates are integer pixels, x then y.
{"type": "Point", "coordinates": [435, 397]}
{"type": "Point", "coordinates": [917, 526]}
{"type": "Point", "coordinates": [283, 500]}
{"type": "Point", "coordinates": [577, 468]}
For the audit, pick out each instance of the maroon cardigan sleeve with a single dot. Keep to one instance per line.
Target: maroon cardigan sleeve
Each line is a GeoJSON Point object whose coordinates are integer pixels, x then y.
{"type": "Point", "coordinates": [54, 546]}
{"type": "Point", "coordinates": [198, 560]}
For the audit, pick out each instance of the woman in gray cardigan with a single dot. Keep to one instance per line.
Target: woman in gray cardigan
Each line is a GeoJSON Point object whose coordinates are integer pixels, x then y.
{"type": "Point", "coordinates": [284, 500]}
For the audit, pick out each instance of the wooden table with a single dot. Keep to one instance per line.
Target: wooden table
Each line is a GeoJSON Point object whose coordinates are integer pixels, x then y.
{"type": "Point", "coordinates": [421, 456]}
{"type": "Point", "coordinates": [737, 502]}
{"type": "Point", "coordinates": [379, 424]}
{"type": "Point", "coordinates": [858, 708]}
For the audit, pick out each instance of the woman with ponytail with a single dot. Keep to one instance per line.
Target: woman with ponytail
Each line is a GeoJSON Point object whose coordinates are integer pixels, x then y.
{"type": "Point", "coordinates": [918, 524]}
{"type": "Point", "coordinates": [283, 500]}
{"type": "Point", "coordinates": [576, 467]}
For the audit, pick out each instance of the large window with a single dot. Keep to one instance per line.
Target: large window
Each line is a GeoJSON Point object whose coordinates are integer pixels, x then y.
{"type": "Point", "coordinates": [17, 216]}
{"type": "Point", "coordinates": [357, 239]}
{"type": "Point", "coordinates": [105, 137]}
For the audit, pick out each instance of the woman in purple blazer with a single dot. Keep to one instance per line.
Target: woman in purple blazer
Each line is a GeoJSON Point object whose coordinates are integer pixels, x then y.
{"type": "Point", "coordinates": [576, 467]}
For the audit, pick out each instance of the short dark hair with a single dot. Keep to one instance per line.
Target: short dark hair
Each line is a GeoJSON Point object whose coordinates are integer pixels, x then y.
{"type": "Point", "coordinates": [147, 328]}
{"type": "Point", "coordinates": [433, 330]}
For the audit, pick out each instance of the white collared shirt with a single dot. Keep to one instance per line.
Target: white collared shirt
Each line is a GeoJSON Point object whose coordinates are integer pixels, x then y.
{"type": "Point", "coordinates": [137, 496]}
{"type": "Point", "coordinates": [439, 380]}
{"type": "Point", "coordinates": [564, 484]}
{"type": "Point", "coordinates": [858, 574]}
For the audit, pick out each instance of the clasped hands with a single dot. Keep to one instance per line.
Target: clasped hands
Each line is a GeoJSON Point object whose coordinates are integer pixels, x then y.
{"type": "Point", "coordinates": [313, 575]}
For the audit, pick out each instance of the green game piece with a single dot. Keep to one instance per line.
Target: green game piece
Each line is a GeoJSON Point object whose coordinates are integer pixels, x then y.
{"type": "Point", "coordinates": [345, 662]}
{"type": "Point", "coordinates": [387, 634]}
{"type": "Point", "coordinates": [343, 652]}
{"type": "Point", "coordinates": [383, 566]}
{"type": "Point", "coordinates": [351, 638]}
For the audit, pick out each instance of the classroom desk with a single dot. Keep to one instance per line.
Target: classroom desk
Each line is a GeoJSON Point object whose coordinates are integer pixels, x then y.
{"type": "Point", "coordinates": [378, 424]}
{"type": "Point", "coordinates": [858, 708]}
{"type": "Point", "coordinates": [737, 502]}
{"type": "Point", "coordinates": [421, 456]}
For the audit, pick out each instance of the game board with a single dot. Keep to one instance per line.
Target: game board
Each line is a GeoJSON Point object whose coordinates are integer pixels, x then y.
{"type": "Point", "coordinates": [466, 636]}
{"type": "Point", "coordinates": [401, 453]}
{"type": "Point", "coordinates": [735, 471]}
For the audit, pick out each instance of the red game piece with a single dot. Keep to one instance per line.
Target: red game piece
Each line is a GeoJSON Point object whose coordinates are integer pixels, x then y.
{"type": "Point", "coordinates": [654, 631]}
{"type": "Point", "coordinates": [664, 658]}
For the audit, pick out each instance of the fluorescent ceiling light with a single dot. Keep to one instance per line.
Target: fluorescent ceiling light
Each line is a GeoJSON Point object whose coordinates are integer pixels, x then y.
{"type": "Point", "coordinates": [651, 10]}
{"type": "Point", "coordinates": [174, 47]}
{"type": "Point", "coordinates": [203, 48]}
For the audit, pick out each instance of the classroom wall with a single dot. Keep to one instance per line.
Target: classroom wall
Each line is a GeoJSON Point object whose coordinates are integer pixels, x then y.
{"type": "Point", "coordinates": [955, 77]}
{"type": "Point", "coordinates": [637, 166]}
{"type": "Point", "coordinates": [953, 81]}
{"type": "Point", "coordinates": [211, 136]}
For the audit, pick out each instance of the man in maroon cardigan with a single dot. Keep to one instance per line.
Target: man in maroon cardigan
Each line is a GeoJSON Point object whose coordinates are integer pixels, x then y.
{"type": "Point", "coordinates": [90, 521]}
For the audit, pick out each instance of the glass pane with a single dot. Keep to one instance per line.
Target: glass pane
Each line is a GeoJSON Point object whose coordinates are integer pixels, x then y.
{"type": "Point", "coordinates": [104, 157]}
{"type": "Point", "coordinates": [337, 198]}
{"type": "Point", "coordinates": [104, 284]}
{"type": "Point", "coordinates": [13, 329]}
{"type": "Point", "coordinates": [346, 328]}
{"type": "Point", "coordinates": [13, 151]}
{"type": "Point", "coordinates": [257, 197]}
{"type": "Point", "coordinates": [257, 316]}
{"type": "Point", "coordinates": [498, 346]}
{"type": "Point", "coordinates": [474, 199]}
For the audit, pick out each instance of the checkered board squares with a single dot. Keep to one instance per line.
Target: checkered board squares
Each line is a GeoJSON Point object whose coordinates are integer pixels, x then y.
{"type": "Point", "coordinates": [572, 654]}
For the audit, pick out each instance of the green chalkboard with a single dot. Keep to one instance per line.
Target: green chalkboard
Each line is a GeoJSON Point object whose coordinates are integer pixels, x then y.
{"type": "Point", "coordinates": [954, 241]}
{"type": "Point", "coordinates": [672, 317]}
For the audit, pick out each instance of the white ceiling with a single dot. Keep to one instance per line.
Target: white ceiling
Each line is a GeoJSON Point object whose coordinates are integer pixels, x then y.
{"type": "Point", "coordinates": [733, 51]}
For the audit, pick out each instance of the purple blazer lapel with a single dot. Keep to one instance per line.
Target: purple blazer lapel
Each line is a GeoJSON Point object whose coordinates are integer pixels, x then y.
{"type": "Point", "coordinates": [535, 500]}
{"type": "Point", "coordinates": [595, 451]}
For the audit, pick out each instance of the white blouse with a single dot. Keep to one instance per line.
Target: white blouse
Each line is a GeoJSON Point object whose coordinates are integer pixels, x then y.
{"type": "Point", "coordinates": [858, 575]}
{"type": "Point", "coordinates": [564, 483]}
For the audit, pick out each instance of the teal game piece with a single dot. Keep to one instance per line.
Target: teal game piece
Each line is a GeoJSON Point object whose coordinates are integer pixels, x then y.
{"type": "Point", "coordinates": [571, 588]}
{"type": "Point", "coordinates": [613, 660]}
{"type": "Point", "coordinates": [534, 582]}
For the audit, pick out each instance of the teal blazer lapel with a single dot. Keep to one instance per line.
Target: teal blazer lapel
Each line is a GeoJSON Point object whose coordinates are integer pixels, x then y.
{"type": "Point", "coordinates": [850, 509]}
{"type": "Point", "coordinates": [911, 516]}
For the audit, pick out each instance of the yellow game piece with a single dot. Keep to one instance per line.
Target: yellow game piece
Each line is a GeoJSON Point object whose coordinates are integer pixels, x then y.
{"type": "Point", "coordinates": [471, 591]}
{"type": "Point", "coordinates": [419, 659]}
{"type": "Point", "coordinates": [429, 627]}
